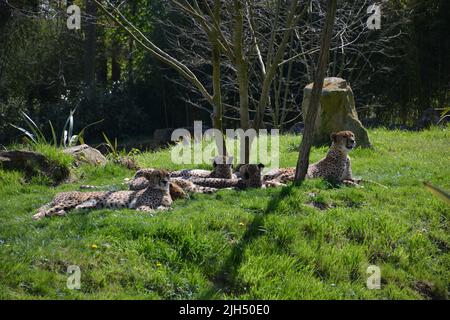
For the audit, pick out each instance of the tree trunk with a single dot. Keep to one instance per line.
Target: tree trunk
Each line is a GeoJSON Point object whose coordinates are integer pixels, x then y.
{"type": "Point", "coordinates": [243, 108]}
{"type": "Point", "coordinates": [310, 119]}
{"type": "Point", "coordinates": [241, 75]}
{"type": "Point", "coordinates": [217, 98]}
{"type": "Point", "coordinates": [217, 92]}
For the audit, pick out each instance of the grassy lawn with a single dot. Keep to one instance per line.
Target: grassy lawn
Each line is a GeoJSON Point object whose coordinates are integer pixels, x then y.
{"type": "Point", "coordinates": [255, 244]}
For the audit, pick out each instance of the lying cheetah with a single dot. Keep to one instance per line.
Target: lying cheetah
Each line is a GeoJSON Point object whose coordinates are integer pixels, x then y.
{"type": "Point", "coordinates": [155, 197]}
{"type": "Point", "coordinates": [222, 168]}
{"type": "Point", "coordinates": [251, 178]}
{"type": "Point", "coordinates": [335, 167]}
{"type": "Point", "coordinates": [178, 187]}
{"type": "Point", "coordinates": [176, 192]}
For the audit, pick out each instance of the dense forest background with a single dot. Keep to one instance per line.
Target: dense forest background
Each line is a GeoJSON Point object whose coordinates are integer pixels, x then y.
{"type": "Point", "coordinates": [398, 73]}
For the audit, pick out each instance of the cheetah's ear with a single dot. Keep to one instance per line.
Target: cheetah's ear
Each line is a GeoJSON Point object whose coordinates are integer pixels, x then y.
{"type": "Point", "coordinates": [261, 165]}
{"type": "Point", "coordinates": [333, 137]}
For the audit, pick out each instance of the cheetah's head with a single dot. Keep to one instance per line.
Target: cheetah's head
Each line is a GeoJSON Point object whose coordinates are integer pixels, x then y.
{"type": "Point", "coordinates": [252, 175]}
{"type": "Point", "coordinates": [158, 179]}
{"type": "Point", "coordinates": [223, 167]}
{"type": "Point", "coordinates": [343, 140]}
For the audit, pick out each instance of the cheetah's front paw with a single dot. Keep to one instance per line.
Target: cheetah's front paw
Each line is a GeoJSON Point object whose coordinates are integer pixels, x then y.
{"type": "Point", "coordinates": [38, 215]}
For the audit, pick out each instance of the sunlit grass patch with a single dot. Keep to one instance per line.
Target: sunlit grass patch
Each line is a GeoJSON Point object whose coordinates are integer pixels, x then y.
{"type": "Point", "coordinates": [314, 241]}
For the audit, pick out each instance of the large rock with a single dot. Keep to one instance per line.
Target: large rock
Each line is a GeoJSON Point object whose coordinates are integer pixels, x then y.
{"type": "Point", "coordinates": [32, 164]}
{"type": "Point", "coordinates": [86, 154]}
{"type": "Point", "coordinates": [336, 112]}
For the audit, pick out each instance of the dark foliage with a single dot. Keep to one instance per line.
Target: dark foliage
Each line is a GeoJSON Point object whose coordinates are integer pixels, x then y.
{"type": "Point", "coordinates": [43, 66]}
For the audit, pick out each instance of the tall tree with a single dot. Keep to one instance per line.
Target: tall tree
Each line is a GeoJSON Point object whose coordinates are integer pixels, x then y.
{"type": "Point", "coordinates": [305, 147]}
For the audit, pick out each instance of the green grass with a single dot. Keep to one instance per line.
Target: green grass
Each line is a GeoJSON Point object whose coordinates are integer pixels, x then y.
{"type": "Point", "coordinates": [254, 244]}
{"type": "Point", "coordinates": [53, 154]}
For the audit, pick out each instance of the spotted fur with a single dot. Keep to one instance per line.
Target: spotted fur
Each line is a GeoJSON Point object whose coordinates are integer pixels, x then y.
{"type": "Point", "coordinates": [179, 187]}
{"type": "Point", "coordinates": [251, 178]}
{"type": "Point", "coordinates": [222, 168]}
{"type": "Point", "coordinates": [155, 197]}
{"type": "Point", "coordinates": [335, 167]}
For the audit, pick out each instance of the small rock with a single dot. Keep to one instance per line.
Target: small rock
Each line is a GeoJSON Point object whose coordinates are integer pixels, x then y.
{"type": "Point", "coordinates": [128, 163]}
{"type": "Point", "coordinates": [86, 154]}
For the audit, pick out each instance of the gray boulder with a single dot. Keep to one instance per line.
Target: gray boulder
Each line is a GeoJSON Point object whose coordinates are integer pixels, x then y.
{"type": "Point", "coordinates": [86, 154]}
{"type": "Point", "coordinates": [336, 112]}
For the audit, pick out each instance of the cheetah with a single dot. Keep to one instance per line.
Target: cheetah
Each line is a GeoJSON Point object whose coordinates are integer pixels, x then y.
{"type": "Point", "coordinates": [179, 188]}
{"type": "Point", "coordinates": [335, 167]}
{"type": "Point", "coordinates": [251, 178]}
{"type": "Point", "coordinates": [222, 168]}
{"type": "Point", "coordinates": [176, 192]}
{"type": "Point", "coordinates": [155, 196]}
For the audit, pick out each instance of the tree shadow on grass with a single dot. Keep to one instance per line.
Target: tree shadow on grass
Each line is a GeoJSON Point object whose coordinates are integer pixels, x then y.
{"type": "Point", "coordinates": [227, 279]}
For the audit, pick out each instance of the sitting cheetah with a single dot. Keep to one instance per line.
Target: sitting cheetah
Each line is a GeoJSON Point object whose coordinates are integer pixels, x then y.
{"type": "Point", "coordinates": [222, 168]}
{"type": "Point", "coordinates": [155, 196]}
{"type": "Point", "coordinates": [335, 167]}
